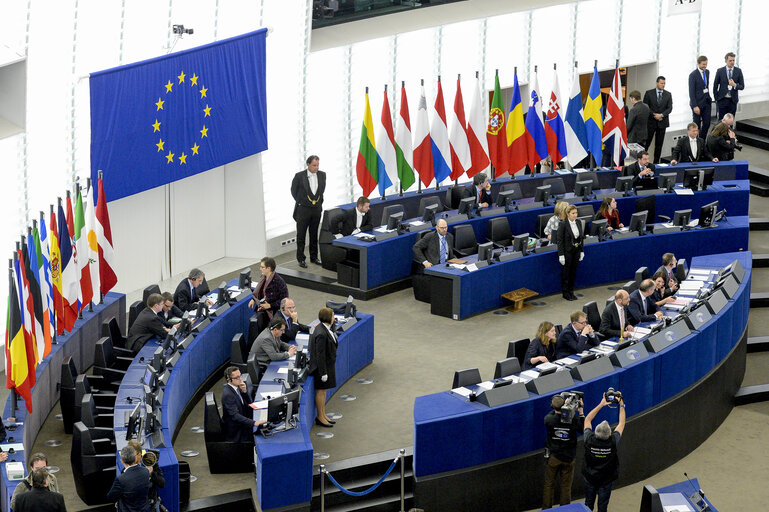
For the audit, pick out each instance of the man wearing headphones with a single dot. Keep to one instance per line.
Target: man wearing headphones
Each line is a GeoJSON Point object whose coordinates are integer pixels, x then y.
{"type": "Point", "coordinates": [236, 414]}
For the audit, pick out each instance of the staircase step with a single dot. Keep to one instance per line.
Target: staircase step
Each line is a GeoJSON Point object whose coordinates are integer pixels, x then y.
{"type": "Point", "coordinates": [759, 188]}
{"type": "Point", "coordinates": [753, 140]}
{"type": "Point", "coordinates": [758, 174]}
{"type": "Point", "coordinates": [759, 300]}
{"type": "Point", "coordinates": [387, 504]}
{"type": "Point", "coordinates": [753, 126]}
{"type": "Point", "coordinates": [752, 394]}
{"type": "Point", "coordinates": [758, 224]}
{"type": "Point", "coordinates": [758, 344]}
{"type": "Point", "coordinates": [760, 260]}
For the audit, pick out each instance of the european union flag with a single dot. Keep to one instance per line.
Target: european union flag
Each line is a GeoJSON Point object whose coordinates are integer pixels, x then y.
{"type": "Point", "coordinates": [167, 118]}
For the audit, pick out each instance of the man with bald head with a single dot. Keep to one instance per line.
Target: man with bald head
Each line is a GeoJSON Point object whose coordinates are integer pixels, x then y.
{"type": "Point", "coordinates": [615, 319]}
{"type": "Point", "coordinates": [435, 248]}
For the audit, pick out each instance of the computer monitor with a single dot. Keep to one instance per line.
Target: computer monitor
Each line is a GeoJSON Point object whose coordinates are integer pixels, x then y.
{"type": "Point", "coordinates": [708, 214]}
{"type": "Point", "coordinates": [667, 181]}
{"type": "Point", "coordinates": [506, 199]}
{"type": "Point", "coordinates": [349, 306]}
{"type": "Point", "coordinates": [244, 281]}
{"type": "Point", "coordinates": [222, 295]}
{"type": "Point", "coordinates": [698, 178]}
{"type": "Point", "coordinates": [429, 215]}
{"type": "Point", "coordinates": [158, 360]}
{"type": "Point", "coordinates": [132, 428]}
{"type": "Point", "coordinates": [485, 251]}
{"type": "Point", "coordinates": [651, 500]}
{"type": "Point", "coordinates": [583, 189]}
{"type": "Point", "coordinates": [557, 186]}
{"type": "Point", "coordinates": [389, 210]}
{"type": "Point", "coordinates": [278, 407]}
{"type": "Point", "coordinates": [169, 343]}
{"type": "Point", "coordinates": [682, 217]}
{"type": "Point", "coordinates": [599, 227]}
{"type": "Point", "coordinates": [202, 310]}
{"type": "Point", "coordinates": [624, 184]}
{"type": "Point", "coordinates": [638, 222]}
{"type": "Point", "coordinates": [466, 206]}
{"type": "Point", "coordinates": [623, 345]}
{"type": "Point", "coordinates": [521, 243]}
{"type": "Point", "coordinates": [542, 194]}
{"type": "Point", "coordinates": [394, 220]}
{"type": "Point", "coordinates": [682, 269]}
{"type": "Point", "coordinates": [150, 377]}
{"type": "Point", "coordinates": [590, 176]}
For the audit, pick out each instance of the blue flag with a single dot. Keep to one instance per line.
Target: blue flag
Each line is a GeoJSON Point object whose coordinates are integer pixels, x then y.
{"type": "Point", "coordinates": [167, 118]}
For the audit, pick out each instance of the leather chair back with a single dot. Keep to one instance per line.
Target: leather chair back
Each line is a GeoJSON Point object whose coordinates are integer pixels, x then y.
{"type": "Point", "coordinates": [153, 288]}
{"type": "Point", "coordinates": [239, 351]}
{"type": "Point", "coordinates": [466, 377]}
{"type": "Point", "coordinates": [212, 420]}
{"type": "Point", "coordinates": [464, 240]}
{"type": "Point", "coordinates": [517, 349]}
{"type": "Point", "coordinates": [134, 310]}
{"type": "Point", "coordinates": [557, 186]}
{"type": "Point", "coordinates": [593, 316]}
{"type": "Point", "coordinates": [542, 220]}
{"type": "Point", "coordinates": [427, 201]}
{"type": "Point", "coordinates": [499, 231]}
{"type": "Point", "coordinates": [506, 367]}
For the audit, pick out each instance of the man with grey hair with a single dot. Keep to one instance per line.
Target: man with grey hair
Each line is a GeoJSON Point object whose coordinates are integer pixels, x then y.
{"type": "Point", "coordinates": [615, 319]}
{"type": "Point", "coordinates": [132, 486]}
{"type": "Point", "coordinates": [185, 296]}
{"type": "Point", "coordinates": [600, 467]}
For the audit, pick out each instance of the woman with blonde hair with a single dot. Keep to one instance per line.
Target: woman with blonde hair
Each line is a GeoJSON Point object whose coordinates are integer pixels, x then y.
{"type": "Point", "coordinates": [552, 224]}
{"type": "Point", "coordinates": [542, 346]}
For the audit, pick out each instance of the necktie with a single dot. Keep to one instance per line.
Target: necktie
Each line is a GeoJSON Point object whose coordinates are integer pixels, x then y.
{"type": "Point", "coordinates": [659, 95]}
{"type": "Point", "coordinates": [643, 299]}
{"type": "Point", "coordinates": [704, 79]}
{"type": "Point", "coordinates": [621, 318]}
{"type": "Point", "coordinates": [730, 73]}
{"type": "Point", "coordinates": [443, 249]}
{"type": "Point", "coordinates": [288, 323]}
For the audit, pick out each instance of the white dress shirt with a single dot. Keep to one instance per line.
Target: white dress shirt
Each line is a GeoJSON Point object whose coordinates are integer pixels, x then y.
{"type": "Point", "coordinates": [574, 228]}
{"type": "Point", "coordinates": [313, 177]}
{"type": "Point", "coordinates": [693, 145]}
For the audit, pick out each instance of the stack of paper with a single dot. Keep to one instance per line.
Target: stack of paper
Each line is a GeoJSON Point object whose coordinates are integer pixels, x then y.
{"type": "Point", "coordinates": [530, 374]}
{"type": "Point", "coordinates": [683, 191]}
{"type": "Point", "coordinates": [486, 385]}
{"type": "Point", "coordinates": [543, 367]}
{"type": "Point", "coordinates": [461, 391]}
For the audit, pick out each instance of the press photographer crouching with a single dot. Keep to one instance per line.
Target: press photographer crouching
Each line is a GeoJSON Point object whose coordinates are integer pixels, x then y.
{"type": "Point", "coordinates": [601, 465]}
{"type": "Point", "coordinates": [563, 424]}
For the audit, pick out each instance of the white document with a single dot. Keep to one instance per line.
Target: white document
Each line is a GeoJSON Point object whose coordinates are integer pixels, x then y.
{"type": "Point", "coordinates": [694, 222]}
{"type": "Point", "coordinates": [274, 394]}
{"type": "Point", "coordinates": [683, 191]}
{"type": "Point", "coordinates": [531, 374]}
{"type": "Point", "coordinates": [461, 391]}
{"type": "Point", "coordinates": [692, 283]}
{"type": "Point", "coordinates": [233, 289]}
{"type": "Point", "coordinates": [17, 447]}
{"type": "Point", "coordinates": [458, 266]}
{"type": "Point", "coordinates": [283, 370]}
{"type": "Point", "coordinates": [471, 267]}
{"type": "Point", "coordinates": [303, 336]}
{"type": "Point", "coordinates": [677, 508]}
{"type": "Point", "coordinates": [512, 378]}
{"type": "Point", "coordinates": [260, 415]}
{"type": "Point", "coordinates": [261, 404]}
{"type": "Point", "coordinates": [623, 229]}
{"type": "Point", "coordinates": [486, 385]}
{"type": "Point", "coordinates": [546, 366]}
{"type": "Point", "coordinates": [417, 223]}
{"type": "Point", "coordinates": [568, 362]}
{"type": "Point", "coordinates": [677, 307]}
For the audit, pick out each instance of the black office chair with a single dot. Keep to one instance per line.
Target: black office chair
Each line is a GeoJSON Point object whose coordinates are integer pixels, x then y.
{"type": "Point", "coordinates": [515, 187]}
{"type": "Point", "coordinates": [133, 312]}
{"type": "Point", "coordinates": [389, 210]}
{"type": "Point", "coordinates": [649, 203]}
{"type": "Point", "coordinates": [454, 195]}
{"type": "Point", "coordinates": [427, 201]}
{"type": "Point", "coordinates": [153, 288]}
{"type": "Point", "coordinates": [466, 377]}
{"type": "Point", "coordinates": [517, 349]}
{"type": "Point", "coordinates": [542, 220]}
{"type": "Point", "coordinates": [239, 352]}
{"type": "Point", "coordinates": [92, 459]}
{"type": "Point", "coordinates": [499, 232]}
{"type": "Point", "coordinates": [630, 286]}
{"type": "Point", "coordinates": [111, 329]}
{"type": "Point", "coordinates": [103, 400]}
{"type": "Point", "coordinates": [330, 254]}
{"type": "Point", "coordinates": [506, 367]}
{"type": "Point", "coordinates": [590, 176]}
{"type": "Point", "coordinates": [557, 187]}
{"type": "Point", "coordinates": [586, 210]}
{"type": "Point", "coordinates": [253, 331]}
{"type": "Point", "coordinates": [107, 363]}
{"type": "Point", "coordinates": [641, 274]}
{"type": "Point", "coordinates": [96, 419]}
{"type": "Point", "coordinates": [609, 300]}
{"type": "Point", "coordinates": [67, 393]}
{"type": "Point", "coordinates": [252, 368]}
{"type": "Point", "coordinates": [593, 316]}
{"type": "Point", "coordinates": [465, 243]}
{"type": "Point", "coordinates": [558, 329]}
{"type": "Point", "coordinates": [224, 456]}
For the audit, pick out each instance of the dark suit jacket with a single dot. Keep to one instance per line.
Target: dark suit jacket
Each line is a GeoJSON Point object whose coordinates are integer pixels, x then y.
{"type": "Point", "coordinates": [610, 324]}
{"type": "Point", "coordinates": [472, 191]}
{"type": "Point", "coordinates": [637, 123]}
{"type": "Point", "coordinates": [671, 275]}
{"type": "Point", "coordinates": [721, 84]}
{"type": "Point", "coordinates": [566, 240]}
{"type": "Point", "coordinates": [300, 191]}
{"type": "Point", "coordinates": [275, 291]}
{"type": "Point", "coordinates": [147, 325]}
{"type": "Point", "coordinates": [697, 96]}
{"type": "Point", "coordinates": [40, 500]}
{"type": "Point", "coordinates": [570, 343]}
{"type": "Point", "coordinates": [183, 298]}
{"type": "Point", "coordinates": [682, 152]}
{"type": "Point", "coordinates": [348, 220]}
{"type": "Point", "coordinates": [165, 317]}
{"type": "Point", "coordinates": [664, 106]}
{"type": "Point", "coordinates": [636, 309]}
{"type": "Point", "coordinates": [267, 349]}
{"type": "Point", "coordinates": [237, 417]}
{"type": "Point", "coordinates": [634, 170]}
{"type": "Point", "coordinates": [292, 329]}
{"type": "Point", "coordinates": [536, 349]}
{"type": "Point", "coordinates": [130, 490]}
{"type": "Point", "coordinates": [428, 248]}
{"type": "Point", "coordinates": [721, 147]}
{"type": "Point", "coordinates": [322, 349]}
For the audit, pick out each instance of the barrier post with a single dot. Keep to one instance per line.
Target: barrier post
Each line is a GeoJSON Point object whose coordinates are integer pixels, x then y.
{"type": "Point", "coordinates": [403, 472]}
{"type": "Point", "coordinates": [322, 487]}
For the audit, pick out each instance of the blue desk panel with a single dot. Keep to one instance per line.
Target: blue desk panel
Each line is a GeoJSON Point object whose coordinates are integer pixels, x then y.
{"type": "Point", "coordinates": [451, 433]}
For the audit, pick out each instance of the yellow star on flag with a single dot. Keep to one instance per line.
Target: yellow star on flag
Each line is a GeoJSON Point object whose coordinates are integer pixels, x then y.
{"type": "Point", "coordinates": [160, 104]}
{"type": "Point", "coordinates": [182, 158]}
{"type": "Point", "coordinates": [194, 79]}
{"type": "Point", "coordinates": [170, 157]}
{"type": "Point", "coordinates": [169, 86]}
{"type": "Point", "coordinates": [204, 132]}
{"type": "Point", "coordinates": [156, 126]}
{"type": "Point", "coordinates": [207, 111]}
{"type": "Point", "coordinates": [160, 145]}
{"type": "Point", "coordinates": [195, 149]}
{"type": "Point", "coordinates": [203, 92]}
{"type": "Point", "coordinates": [181, 77]}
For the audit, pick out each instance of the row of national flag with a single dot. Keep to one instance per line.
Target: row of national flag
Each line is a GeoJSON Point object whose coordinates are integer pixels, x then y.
{"type": "Point", "coordinates": [58, 268]}
{"type": "Point", "coordinates": [447, 144]}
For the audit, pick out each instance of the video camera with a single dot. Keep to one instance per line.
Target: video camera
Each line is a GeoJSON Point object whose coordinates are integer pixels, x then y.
{"type": "Point", "coordinates": [612, 397]}
{"type": "Point", "coordinates": [571, 404]}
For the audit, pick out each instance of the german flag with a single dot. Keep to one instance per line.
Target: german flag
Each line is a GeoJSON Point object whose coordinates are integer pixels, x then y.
{"type": "Point", "coordinates": [19, 352]}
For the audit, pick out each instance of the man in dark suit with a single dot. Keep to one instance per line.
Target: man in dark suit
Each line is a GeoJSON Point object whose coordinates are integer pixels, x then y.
{"type": "Point", "coordinates": [147, 325]}
{"type": "Point", "coordinates": [131, 488]}
{"type": "Point", "coordinates": [699, 95]}
{"type": "Point", "coordinates": [642, 172]}
{"type": "Point", "coordinates": [575, 337]}
{"type": "Point", "coordinates": [660, 104]}
{"type": "Point", "coordinates": [726, 86]}
{"type": "Point", "coordinates": [307, 190]}
{"type": "Point", "coordinates": [436, 247]}
{"type": "Point", "coordinates": [358, 219]}
{"type": "Point", "coordinates": [186, 296]}
{"type": "Point", "coordinates": [237, 417]}
{"type": "Point", "coordinates": [170, 314]}
{"type": "Point", "coordinates": [641, 307]}
{"type": "Point", "coordinates": [638, 120]}
{"type": "Point", "coordinates": [480, 189]}
{"type": "Point", "coordinates": [40, 498]}
{"type": "Point", "coordinates": [293, 327]}
{"type": "Point", "coordinates": [268, 346]}
{"type": "Point", "coordinates": [615, 319]}
{"type": "Point", "coordinates": [669, 263]}
{"type": "Point", "coordinates": [691, 148]}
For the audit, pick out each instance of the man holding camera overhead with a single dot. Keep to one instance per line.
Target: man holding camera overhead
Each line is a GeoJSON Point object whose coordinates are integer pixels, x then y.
{"type": "Point", "coordinates": [601, 465]}
{"type": "Point", "coordinates": [563, 424]}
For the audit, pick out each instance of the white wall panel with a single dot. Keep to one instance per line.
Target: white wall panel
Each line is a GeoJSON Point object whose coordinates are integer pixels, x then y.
{"type": "Point", "coordinates": [244, 209]}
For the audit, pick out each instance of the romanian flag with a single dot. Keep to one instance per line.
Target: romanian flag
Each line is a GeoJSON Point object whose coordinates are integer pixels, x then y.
{"type": "Point", "coordinates": [516, 132]}
{"type": "Point", "coordinates": [594, 118]}
{"type": "Point", "coordinates": [20, 363]}
{"type": "Point", "coordinates": [496, 135]}
{"type": "Point", "coordinates": [366, 166]}
{"type": "Point", "coordinates": [58, 304]}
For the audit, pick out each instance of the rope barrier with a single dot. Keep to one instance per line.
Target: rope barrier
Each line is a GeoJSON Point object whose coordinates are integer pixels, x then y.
{"type": "Point", "coordinates": [367, 491]}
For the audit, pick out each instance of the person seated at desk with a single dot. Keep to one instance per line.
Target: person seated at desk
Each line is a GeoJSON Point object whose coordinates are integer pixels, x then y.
{"type": "Point", "coordinates": [642, 172]}
{"type": "Point", "coordinates": [668, 267]}
{"type": "Point", "coordinates": [435, 248]}
{"type": "Point", "coordinates": [293, 327]}
{"type": "Point", "coordinates": [615, 319]}
{"type": "Point", "coordinates": [642, 308]}
{"type": "Point", "coordinates": [237, 417]}
{"type": "Point", "coordinates": [357, 219]}
{"type": "Point", "coordinates": [608, 210]}
{"type": "Point", "coordinates": [541, 348]}
{"type": "Point", "coordinates": [722, 142]}
{"type": "Point", "coordinates": [269, 291]}
{"type": "Point", "coordinates": [480, 189]}
{"type": "Point", "coordinates": [559, 214]}
{"type": "Point", "coordinates": [185, 296]}
{"type": "Point", "coordinates": [170, 314]}
{"type": "Point", "coordinates": [660, 296]}
{"type": "Point", "coordinates": [691, 148]}
{"type": "Point", "coordinates": [576, 337]}
{"type": "Point", "coordinates": [147, 325]}
{"type": "Point", "coordinates": [268, 346]}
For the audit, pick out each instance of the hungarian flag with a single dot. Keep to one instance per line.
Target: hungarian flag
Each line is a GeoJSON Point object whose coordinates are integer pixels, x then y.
{"type": "Point", "coordinates": [107, 277]}
{"type": "Point", "coordinates": [20, 362]}
{"type": "Point", "coordinates": [81, 249]}
{"type": "Point", "coordinates": [403, 150]}
{"type": "Point", "coordinates": [366, 167]}
{"type": "Point", "coordinates": [516, 132]}
{"type": "Point", "coordinates": [69, 274]}
{"type": "Point", "coordinates": [476, 126]}
{"type": "Point", "coordinates": [58, 304]}
{"type": "Point", "coordinates": [496, 135]}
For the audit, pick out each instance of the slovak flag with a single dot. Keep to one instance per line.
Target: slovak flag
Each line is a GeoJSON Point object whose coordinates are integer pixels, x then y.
{"type": "Point", "coordinates": [614, 128]}
{"type": "Point", "coordinates": [554, 129]}
{"type": "Point", "coordinates": [536, 142]}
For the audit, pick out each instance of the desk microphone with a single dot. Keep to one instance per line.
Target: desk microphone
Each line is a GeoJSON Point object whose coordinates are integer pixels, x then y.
{"type": "Point", "coordinates": [700, 503]}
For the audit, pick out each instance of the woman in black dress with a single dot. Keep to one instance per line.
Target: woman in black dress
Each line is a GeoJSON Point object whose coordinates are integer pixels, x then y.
{"type": "Point", "coordinates": [322, 347]}
{"type": "Point", "coordinates": [571, 239]}
{"type": "Point", "coordinates": [542, 347]}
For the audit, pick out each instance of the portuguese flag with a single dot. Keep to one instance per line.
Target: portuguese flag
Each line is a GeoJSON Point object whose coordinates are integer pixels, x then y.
{"type": "Point", "coordinates": [496, 133]}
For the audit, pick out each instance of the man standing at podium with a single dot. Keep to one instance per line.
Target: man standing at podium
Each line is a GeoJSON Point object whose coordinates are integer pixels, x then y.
{"type": "Point", "coordinates": [561, 449]}
{"type": "Point", "coordinates": [307, 189]}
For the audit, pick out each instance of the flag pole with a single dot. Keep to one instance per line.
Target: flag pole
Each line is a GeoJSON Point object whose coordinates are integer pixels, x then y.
{"type": "Point", "coordinates": [534, 171]}
{"type": "Point", "coordinates": [89, 193]}
{"type": "Point", "coordinates": [383, 190]}
{"type": "Point", "coordinates": [437, 185]}
{"type": "Point", "coordinates": [552, 164]}
{"type": "Point", "coordinates": [53, 334]}
{"type": "Point", "coordinates": [493, 169]}
{"type": "Point", "coordinates": [592, 156]}
{"type": "Point", "coordinates": [13, 389]}
{"type": "Point", "coordinates": [55, 318]}
{"type": "Point", "coordinates": [101, 295]}
{"type": "Point", "coordinates": [515, 73]}
{"type": "Point", "coordinates": [59, 203]}
{"type": "Point", "coordinates": [400, 183]}
{"type": "Point", "coordinates": [456, 181]}
{"type": "Point", "coordinates": [419, 180]}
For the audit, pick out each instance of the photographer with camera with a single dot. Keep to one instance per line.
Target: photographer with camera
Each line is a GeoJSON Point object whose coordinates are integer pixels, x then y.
{"type": "Point", "coordinates": [563, 424]}
{"type": "Point", "coordinates": [149, 459]}
{"type": "Point", "coordinates": [601, 465]}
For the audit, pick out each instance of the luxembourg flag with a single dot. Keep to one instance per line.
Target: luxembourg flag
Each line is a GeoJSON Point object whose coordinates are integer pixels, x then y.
{"type": "Point", "coordinates": [423, 153]}
{"type": "Point", "coordinates": [576, 136]}
{"type": "Point", "coordinates": [554, 129]}
{"type": "Point", "coordinates": [476, 133]}
{"type": "Point", "coordinates": [460, 149]}
{"type": "Point", "coordinates": [614, 128]}
{"type": "Point", "coordinates": [439, 139]}
{"type": "Point", "coordinates": [385, 148]}
{"type": "Point", "coordinates": [536, 142]}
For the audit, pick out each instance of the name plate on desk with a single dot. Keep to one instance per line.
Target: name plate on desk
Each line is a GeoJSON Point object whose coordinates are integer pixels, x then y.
{"type": "Point", "coordinates": [649, 191]}
{"type": "Point", "coordinates": [660, 229]}
{"type": "Point", "coordinates": [219, 310]}
{"type": "Point", "coordinates": [592, 369]}
{"type": "Point", "coordinates": [697, 318]}
{"type": "Point", "coordinates": [591, 240]}
{"type": "Point", "coordinates": [667, 337]}
{"type": "Point", "coordinates": [547, 248]}
{"type": "Point", "coordinates": [419, 227]}
{"type": "Point", "coordinates": [619, 235]}
{"type": "Point", "coordinates": [629, 355]}
{"type": "Point", "coordinates": [548, 384]}
{"type": "Point", "coordinates": [488, 212]}
{"type": "Point", "coordinates": [530, 206]}
{"type": "Point", "coordinates": [456, 218]}
{"type": "Point", "coordinates": [510, 255]}
{"type": "Point", "coordinates": [614, 195]}
{"type": "Point", "coordinates": [503, 395]}
{"type": "Point", "coordinates": [384, 236]}
{"type": "Point", "coordinates": [242, 295]}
